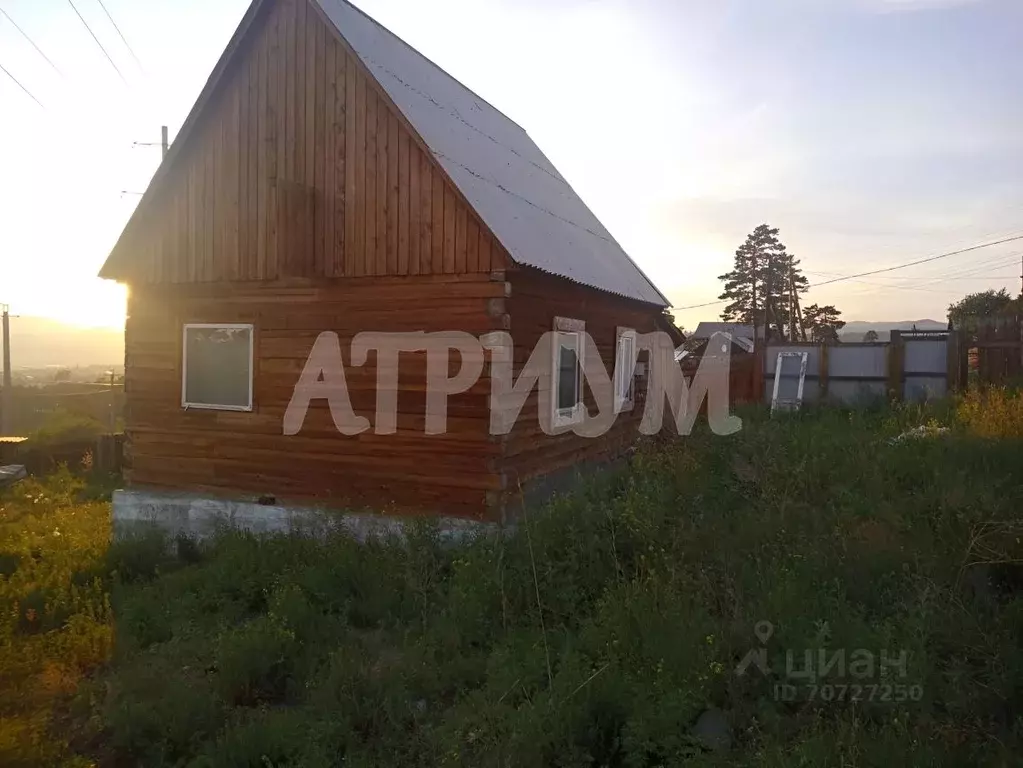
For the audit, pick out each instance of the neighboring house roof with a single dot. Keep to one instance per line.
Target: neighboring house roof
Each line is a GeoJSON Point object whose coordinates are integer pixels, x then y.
{"type": "Point", "coordinates": [666, 325]}
{"type": "Point", "coordinates": [738, 330]}
{"type": "Point", "coordinates": [743, 343]}
{"type": "Point", "coordinates": [516, 191]}
{"type": "Point", "coordinates": [514, 188]}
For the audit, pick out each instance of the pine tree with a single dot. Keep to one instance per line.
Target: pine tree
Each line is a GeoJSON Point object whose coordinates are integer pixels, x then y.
{"type": "Point", "coordinates": [823, 323]}
{"type": "Point", "coordinates": [763, 284]}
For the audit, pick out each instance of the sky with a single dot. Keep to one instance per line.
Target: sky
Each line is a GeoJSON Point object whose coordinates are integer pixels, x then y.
{"type": "Point", "coordinates": [870, 132]}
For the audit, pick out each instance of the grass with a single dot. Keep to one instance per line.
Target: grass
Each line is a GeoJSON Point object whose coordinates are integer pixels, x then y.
{"type": "Point", "coordinates": [597, 634]}
{"type": "Point", "coordinates": [55, 618]}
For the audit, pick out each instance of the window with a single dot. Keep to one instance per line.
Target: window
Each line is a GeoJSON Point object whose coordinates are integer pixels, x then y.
{"type": "Point", "coordinates": [216, 367]}
{"type": "Point", "coordinates": [625, 367]}
{"type": "Point", "coordinates": [567, 384]}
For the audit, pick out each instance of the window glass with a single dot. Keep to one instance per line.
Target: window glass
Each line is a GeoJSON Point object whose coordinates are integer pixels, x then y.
{"type": "Point", "coordinates": [625, 363]}
{"type": "Point", "coordinates": [568, 373]}
{"type": "Point", "coordinates": [218, 367]}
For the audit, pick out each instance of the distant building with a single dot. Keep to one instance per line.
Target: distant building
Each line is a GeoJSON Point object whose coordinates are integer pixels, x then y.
{"type": "Point", "coordinates": [736, 330]}
{"type": "Point", "coordinates": [740, 336]}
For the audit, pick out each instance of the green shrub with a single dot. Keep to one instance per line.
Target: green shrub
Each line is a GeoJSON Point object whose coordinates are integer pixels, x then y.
{"type": "Point", "coordinates": [140, 554]}
{"type": "Point", "coordinates": [156, 715]}
{"type": "Point", "coordinates": [144, 622]}
{"type": "Point", "coordinates": [276, 739]}
{"type": "Point", "coordinates": [254, 661]}
{"type": "Point", "coordinates": [64, 426]}
{"type": "Point", "coordinates": [993, 413]}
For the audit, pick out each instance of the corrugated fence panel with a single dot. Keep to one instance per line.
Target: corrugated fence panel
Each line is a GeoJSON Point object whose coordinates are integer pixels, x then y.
{"type": "Point", "coordinates": [851, 391]}
{"type": "Point", "coordinates": [864, 362]}
{"type": "Point", "coordinates": [926, 356]}
{"type": "Point", "coordinates": [926, 369]}
{"type": "Point", "coordinates": [925, 387]}
{"type": "Point", "coordinates": [812, 359]}
{"type": "Point", "coordinates": [858, 373]}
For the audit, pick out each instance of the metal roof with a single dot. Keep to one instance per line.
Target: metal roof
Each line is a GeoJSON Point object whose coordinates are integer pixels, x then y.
{"type": "Point", "coordinates": [514, 188]}
{"type": "Point", "coordinates": [743, 343]}
{"type": "Point", "coordinates": [738, 330]}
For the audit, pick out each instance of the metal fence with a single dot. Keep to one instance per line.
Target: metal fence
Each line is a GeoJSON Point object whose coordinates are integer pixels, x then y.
{"type": "Point", "coordinates": [912, 366]}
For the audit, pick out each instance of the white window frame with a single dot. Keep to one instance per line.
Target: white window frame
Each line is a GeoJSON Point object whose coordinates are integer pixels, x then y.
{"type": "Point", "coordinates": [184, 364]}
{"type": "Point", "coordinates": [565, 329]}
{"type": "Point", "coordinates": [625, 370]}
{"type": "Point", "coordinates": [789, 405]}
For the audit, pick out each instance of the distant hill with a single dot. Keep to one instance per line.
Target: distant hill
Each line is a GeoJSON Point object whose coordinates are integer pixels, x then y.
{"type": "Point", "coordinates": [37, 342]}
{"type": "Point", "coordinates": [854, 331]}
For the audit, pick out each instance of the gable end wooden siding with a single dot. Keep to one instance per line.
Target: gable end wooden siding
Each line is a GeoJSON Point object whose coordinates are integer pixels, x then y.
{"type": "Point", "coordinates": [300, 166]}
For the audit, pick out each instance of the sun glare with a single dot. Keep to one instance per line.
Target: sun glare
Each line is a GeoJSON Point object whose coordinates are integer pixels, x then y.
{"type": "Point", "coordinates": [100, 304]}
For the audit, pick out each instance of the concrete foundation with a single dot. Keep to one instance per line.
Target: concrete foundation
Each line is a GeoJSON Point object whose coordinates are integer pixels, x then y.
{"type": "Point", "coordinates": [199, 517]}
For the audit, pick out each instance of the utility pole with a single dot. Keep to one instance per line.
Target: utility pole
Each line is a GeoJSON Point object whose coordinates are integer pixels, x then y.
{"type": "Point", "coordinates": [796, 314]}
{"type": "Point", "coordinates": [7, 404]}
{"type": "Point", "coordinates": [164, 142]}
{"type": "Point", "coordinates": [753, 314]}
{"type": "Point", "coordinates": [113, 411]}
{"type": "Point", "coordinates": [773, 294]}
{"type": "Point", "coordinates": [792, 307]}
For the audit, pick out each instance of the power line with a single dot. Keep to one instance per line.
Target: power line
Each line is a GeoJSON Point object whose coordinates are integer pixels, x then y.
{"type": "Point", "coordinates": [985, 271]}
{"type": "Point", "coordinates": [879, 271]}
{"type": "Point", "coordinates": [983, 267]}
{"type": "Point", "coordinates": [118, 71]}
{"type": "Point", "coordinates": [895, 286]}
{"type": "Point", "coordinates": [31, 41]}
{"type": "Point", "coordinates": [935, 280]}
{"type": "Point", "coordinates": [922, 261]}
{"type": "Point", "coordinates": [881, 287]}
{"type": "Point", "coordinates": [18, 83]}
{"type": "Point", "coordinates": [970, 272]}
{"type": "Point", "coordinates": [975, 271]}
{"type": "Point", "coordinates": [120, 34]}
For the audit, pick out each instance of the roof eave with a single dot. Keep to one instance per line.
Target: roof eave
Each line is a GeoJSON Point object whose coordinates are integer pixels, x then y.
{"type": "Point", "coordinates": [113, 268]}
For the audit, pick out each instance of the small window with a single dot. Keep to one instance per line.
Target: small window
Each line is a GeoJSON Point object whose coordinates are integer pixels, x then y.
{"type": "Point", "coordinates": [567, 384]}
{"type": "Point", "coordinates": [625, 368]}
{"type": "Point", "coordinates": [216, 367]}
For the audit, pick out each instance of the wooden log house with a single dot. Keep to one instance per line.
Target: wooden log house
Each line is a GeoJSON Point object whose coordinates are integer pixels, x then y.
{"type": "Point", "coordinates": [331, 178]}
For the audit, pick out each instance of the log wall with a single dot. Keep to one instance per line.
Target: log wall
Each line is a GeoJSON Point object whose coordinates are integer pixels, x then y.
{"type": "Point", "coordinates": [536, 299]}
{"type": "Point", "coordinates": [223, 451]}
